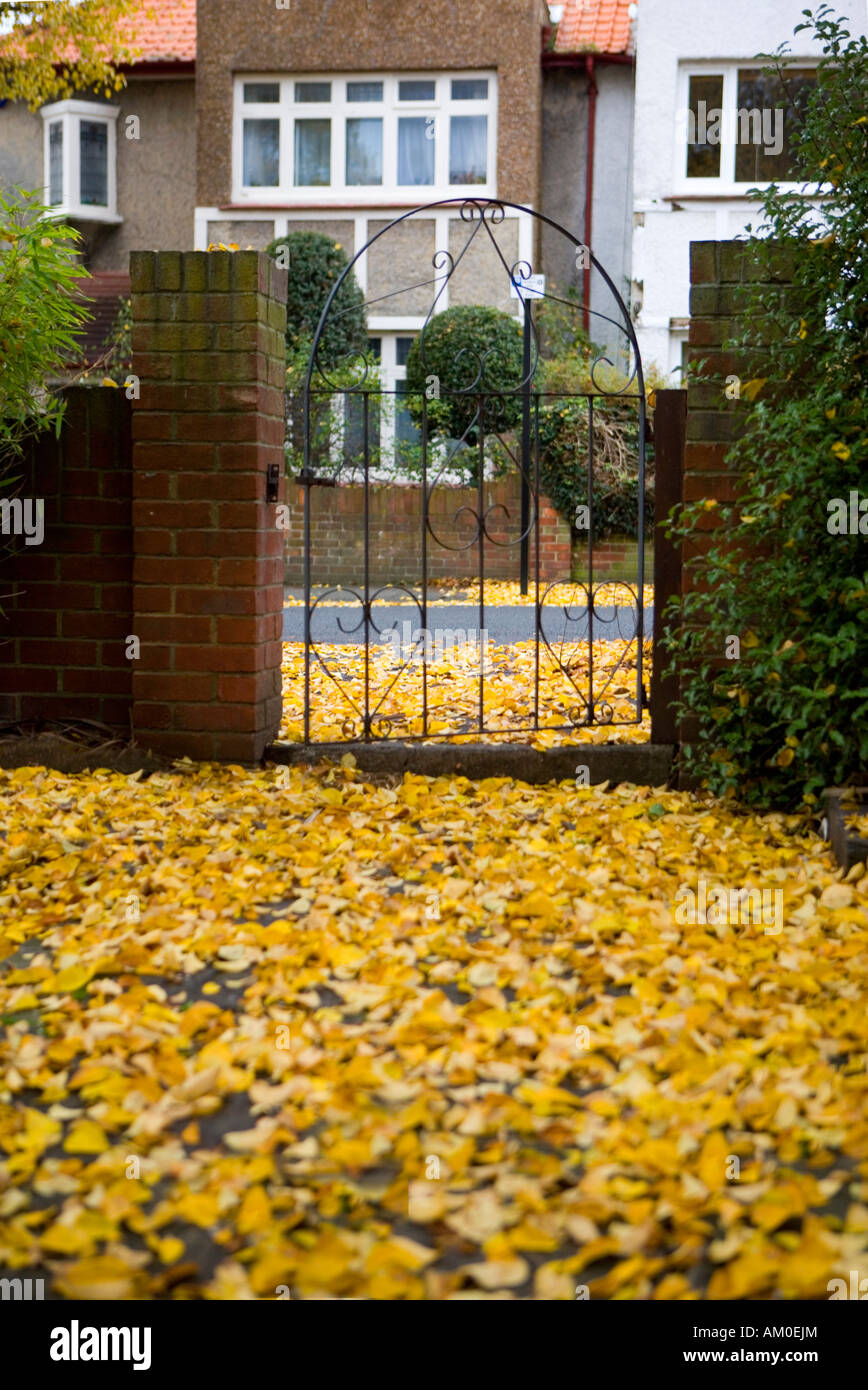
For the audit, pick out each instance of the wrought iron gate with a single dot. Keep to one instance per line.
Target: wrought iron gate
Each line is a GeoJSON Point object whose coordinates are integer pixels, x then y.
{"type": "Point", "coordinates": [581, 661]}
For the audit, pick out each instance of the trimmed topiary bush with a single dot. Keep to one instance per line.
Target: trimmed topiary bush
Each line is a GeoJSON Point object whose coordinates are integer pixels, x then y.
{"type": "Point", "coordinates": [467, 349]}
{"type": "Point", "coordinates": [315, 263]}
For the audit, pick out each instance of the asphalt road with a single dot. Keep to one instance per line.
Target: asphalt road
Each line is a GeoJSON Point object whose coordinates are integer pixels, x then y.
{"type": "Point", "coordinates": [503, 624]}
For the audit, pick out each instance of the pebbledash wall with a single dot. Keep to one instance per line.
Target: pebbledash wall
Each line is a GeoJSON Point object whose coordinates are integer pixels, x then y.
{"type": "Point", "coordinates": [394, 530]}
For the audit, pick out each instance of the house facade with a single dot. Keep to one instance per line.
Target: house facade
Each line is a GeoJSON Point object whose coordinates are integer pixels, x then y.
{"type": "Point", "coordinates": [708, 127]}
{"type": "Point", "coordinates": [239, 124]}
{"type": "Point", "coordinates": [341, 121]}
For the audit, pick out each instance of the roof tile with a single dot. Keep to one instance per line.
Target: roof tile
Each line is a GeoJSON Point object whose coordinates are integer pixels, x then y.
{"type": "Point", "coordinates": [594, 26]}
{"type": "Point", "coordinates": [167, 35]}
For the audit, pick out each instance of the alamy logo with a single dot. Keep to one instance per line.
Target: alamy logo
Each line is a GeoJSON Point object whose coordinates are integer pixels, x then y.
{"type": "Point", "coordinates": [464, 646]}
{"type": "Point", "coordinates": [753, 127]}
{"type": "Point", "coordinates": [75, 1343]}
{"type": "Point", "coordinates": [847, 520]}
{"type": "Point", "coordinates": [732, 907]}
{"type": "Point", "coordinates": [23, 517]}
{"type": "Point", "coordinates": [857, 1291]}
{"type": "Point", "coordinates": [22, 1290]}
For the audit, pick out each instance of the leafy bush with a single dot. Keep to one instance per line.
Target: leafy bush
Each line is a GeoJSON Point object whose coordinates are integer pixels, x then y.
{"type": "Point", "coordinates": [615, 484]}
{"type": "Point", "coordinates": [467, 349]}
{"type": "Point", "coordinates": [315, 263]}
{"type": "Point", "coordinates": [791, 714]}
{"type": "Point", "coordinates": [39, 319]}
{"type": "Point", "coordinates": [73, 48]}
{"type": "Point", "coordinates": [559, 322]}
{"type": "Point", "coordinates": [119, 344]}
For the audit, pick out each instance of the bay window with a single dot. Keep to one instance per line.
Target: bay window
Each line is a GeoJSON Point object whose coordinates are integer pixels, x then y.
{"type": "Point", "coordinates": [79, 159]}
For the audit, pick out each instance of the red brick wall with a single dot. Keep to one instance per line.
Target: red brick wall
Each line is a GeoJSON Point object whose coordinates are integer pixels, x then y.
{"type": "Point", "coordinates": [614, 556]}
{"type": "Point", "coordinates": [208, 345]}
{"type": "Point", "coordinates": [395, 533]}
{"type": "Point", "coordinates": [68, 602]}
{"type": "Point", "coordinates": [721, 273]}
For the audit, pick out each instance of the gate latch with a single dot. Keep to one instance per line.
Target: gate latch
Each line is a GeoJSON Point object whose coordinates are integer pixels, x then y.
{"type": "Point", "coordinates": [272, 482]}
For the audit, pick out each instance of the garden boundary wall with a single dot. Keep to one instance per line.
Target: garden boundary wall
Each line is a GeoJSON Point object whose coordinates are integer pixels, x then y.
{"type": "Point", "coordinates": [395, 534]}
{"type": "Point", "coordinates": [153, 602]}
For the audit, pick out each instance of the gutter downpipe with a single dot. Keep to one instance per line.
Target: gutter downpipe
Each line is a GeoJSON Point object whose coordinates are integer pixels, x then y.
{"type": "Point", "coordinates": [589, 181]}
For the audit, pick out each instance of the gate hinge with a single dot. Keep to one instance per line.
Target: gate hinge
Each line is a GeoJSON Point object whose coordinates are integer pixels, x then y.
{"type": "Point", "coordinates": [272, 482]}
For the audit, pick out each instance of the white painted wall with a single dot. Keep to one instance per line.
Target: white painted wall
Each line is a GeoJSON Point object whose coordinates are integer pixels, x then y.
{"type": "Point", "coordinates": [670, 32]}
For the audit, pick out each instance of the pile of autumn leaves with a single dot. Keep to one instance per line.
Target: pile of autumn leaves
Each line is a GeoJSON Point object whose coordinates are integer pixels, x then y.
{"type": "Point", "coordinates": [541, 694]}
{"type": "Point", "coordinates": [290, 1033]}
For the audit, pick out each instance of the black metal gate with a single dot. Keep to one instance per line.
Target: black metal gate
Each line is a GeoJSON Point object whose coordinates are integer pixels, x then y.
{"type": "Point", "coordinates": [580, 659]}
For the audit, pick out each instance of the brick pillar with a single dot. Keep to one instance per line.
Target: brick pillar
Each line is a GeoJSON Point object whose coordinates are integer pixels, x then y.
{"type": "Point", "coordinates": [721, 273]}
{"type": "Point", "coordinates": [208, 348]}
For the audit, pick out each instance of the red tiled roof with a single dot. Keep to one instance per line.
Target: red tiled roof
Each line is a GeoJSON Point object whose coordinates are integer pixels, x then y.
{"type": "Point", "coordinates": [166, 36]}
{"type": "Point", "coordinates": [594, 26]}
{"type": "Point", "coordinates": [158, 31]}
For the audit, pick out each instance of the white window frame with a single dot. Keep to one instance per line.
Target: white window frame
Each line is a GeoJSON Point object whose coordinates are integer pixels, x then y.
{"type": "Point", "coordinates": [71, 114]}
{"type": "Point", "coordinates": [339, 192]}
{"type": "Point", "coordinates": [391, 373]}
{"type": "Point", "coordinates": [725, 184]}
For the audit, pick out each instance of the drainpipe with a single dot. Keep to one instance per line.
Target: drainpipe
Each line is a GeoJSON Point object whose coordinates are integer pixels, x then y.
{"type": "Point", "coordinates": [589, 179]}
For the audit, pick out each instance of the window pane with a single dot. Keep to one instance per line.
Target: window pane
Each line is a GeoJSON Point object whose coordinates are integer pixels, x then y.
{"type": "Point", "coordinates": [313, 153]}
{"type": "Point", "coordinates": [415, 91]}
{"type": "Point", "coordinates": [406, 432]}
{"type": "Point", "coordinates": [469, 88]}
{"type": "Point", "coordinates": [364, 91]}
{"type": "Point", "coordinates": [261, 154]}
{"type": "Point", "coordinates": [402, 350]}
{"type": "Point", "coordinates": [704, 118]}
{"type": "Point", "coordinates": [261, 91]}
{"type": "Point", "coordinates": [468, 149]}
{"type": "Point", "coordinates": [374, 348]}
{"type": "Point", "coordinates": [55, 163]}
{"type": "Point", "coordinates": [313, 91]}
{"type": "Point", "coordinates": [93, 145]}
{"type": "Point", "coordinates": [770, 113]}
{"type": "Point", "coordinates": [354, 430]}
{"type": "Point", "coordinates": [364, 150]}
{"type": "Point", "coordinates": [415, 150]}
